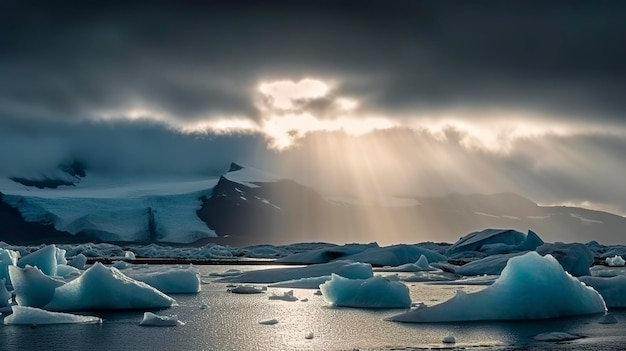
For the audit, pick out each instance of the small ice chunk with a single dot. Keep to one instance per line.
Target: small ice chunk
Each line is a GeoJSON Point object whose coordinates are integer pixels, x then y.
{"type": "Point", "coordinates": [269, 321]}
{"type": "Point", "coordinates": [448, 340]}
{"type": "Point", "coordinates": [129, 255]}
{"type": "Point", "coordinates": [286, 296]}
{"type": "Point", "coordinates": [557, 336]}
{"type": "Point", "coordinates": [23, 315]}
{"type": "Point", "coordinates": [608, 319]}
{"type": "Point", "coordinates": [247, 289]}
{"type": "Point", "coordinates": [78, 261]}
{"type": "Point", "coordinates": [616, 261]}
{"type": "Point", "coordinates": [318, 293]}
{"type": "Point", "coordinates": [204, 306]}
{"type": "Point", "coordinates": [154, 320]}
{"type": "Point", "coordinates": [304, 300]}
{"type": "Point", "coordinates": [308, 335]}
{"type": "Point", "coordinates": [121, 264]}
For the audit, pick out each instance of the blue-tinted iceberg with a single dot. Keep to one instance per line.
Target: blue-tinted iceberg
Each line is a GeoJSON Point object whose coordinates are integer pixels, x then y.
{"type": "Point", "coordinates": [44, 259]}
{"type": "Point", "coordinates": [326, 254]}
{"type": "Point", "coordinates": [7, 258]}
{"type": "Point", "coordinates": [374, 292]}
{"type": "Point", "coordinates": [395, 255]}
{"type": "Point", "coordinates": [419, 266]}
{"type": "Point", "coordinates": [530, 287]}
{"type": "Point", "coordinates": [266, 276]}
{"type": "Point", "coordinates": [173, 280]}
{"type": "Point", "coordinates": [489, 265]}
{"type": "Point", "coordinates": [4, 294]}
{"type": "Point", "coordinates": [32, 287]}
{"type": "Point", "coordinates": [78, 261]}
{"type": "Point", "coordinates": [575, 258]}
{"type": "Point", "coordinates": [102, 288]}
{"type": "Point", "coordinates": [496, 241]}
{"type": "Point", "coordinates": [612, 289]}
{"type": "Point", "coordinates": [23, 315]}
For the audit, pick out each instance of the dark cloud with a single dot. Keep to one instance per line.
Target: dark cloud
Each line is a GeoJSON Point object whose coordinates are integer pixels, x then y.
{"type": "Point", "coordinates": [204, 58]}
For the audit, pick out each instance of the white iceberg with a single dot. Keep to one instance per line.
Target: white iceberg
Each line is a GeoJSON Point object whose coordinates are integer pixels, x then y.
{"type": "Point", "coordinates": [102, 288]}
{"type": "Point", "coordinates": [530, 287]}
{"type": "Point", "coordinates": [154, 320]}
{"type": "Point", "coordinates": [31, 287]}
{"type": "Point", "coordinates": [374, 292]}
{"type": "Point", "coordinates": [615, 261]}
{"type": "Point", "coordinates": [23, 315]}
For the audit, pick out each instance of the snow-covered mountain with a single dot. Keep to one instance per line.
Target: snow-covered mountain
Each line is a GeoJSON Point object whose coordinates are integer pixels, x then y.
{"type": "Point", "coordinates": [247, 205]}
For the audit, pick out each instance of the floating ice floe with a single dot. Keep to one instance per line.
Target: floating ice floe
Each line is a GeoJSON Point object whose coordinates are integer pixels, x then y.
{"type": "Point", "coordinates": [170, 280]}
{"type": "Point", "coordinates": [102, 288]}
{"type": "Point", "coordinates": [154, 320]}
{"type": "Point", "coordinates": [269, 321]}
{"type": "Point", "coordinates": [23, 315]}
{"type": "Point", "coordinates": [304, 283]}
{"type": "Point", "coordinates": [557, 336]}
{"type": "Point", "coordinates": [530, 287]}
{"type": "Point", "coordinates": [266, 276]}
{"type": "Point", "coordinates": [615, 261]}
{"type": "Point", "coordinates": [612, 289]}
{"type": "Point", "coordinates": [419, 266]}
{"type": "Point", "coordinates": [247, 289]}
{"type": "Point", "coordinates": [286, 296]}
{"type": "Point", "coordinates": [374, 292]}
{"type": "Point", "coordinates": [31, 287]}
{"type": "Point", "coordinates": [228, 273]}
{"type": "Point", "coordinates": [448, 340]}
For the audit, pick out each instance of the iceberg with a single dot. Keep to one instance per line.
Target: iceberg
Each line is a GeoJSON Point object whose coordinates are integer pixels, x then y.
{"type": "Point", "coordinates": [32, 287]}
{"type": "Point", "coordinates": [154, 320]}
{"type": "Point", "coordinates": [496, 241]}
{"type": "Point", "coordinates": [102, 288]}
{"type": "Point", "coordinates": [78, 261]}
{"type": "Point", "coordinates": [5, 295]}
{"type": "Point", "coordinates": [612, 289]}
{"type": "Point", "coordinates": [374, 292]}
{"type": "Point", "coordinates": [615, 261]}
{"type": "Point", "coordinates": [326, 254]}
{"type": "Point", "coordinates": [247, 289]}
{"type": "Point", "coordinates": [175, 280]}
{"type": "Point", "coordinates": [489, 265]}
{"type": "Point", "coordinates": [530, 287]}
{"type": "Point", "coordinates": [267, 276]}
{"type": "Point", "coordinates": [7, 258]}
{"type": "Point", "coordinates": [44, 259]}
{"type": "Point", "coordinates": [23, 315]}
{"type": "Point", "coordinates": [575, 258]}
{"type": "Point", "coordinates": [304, 283]}
{"type": "Point", "coordinates": [395, 255]}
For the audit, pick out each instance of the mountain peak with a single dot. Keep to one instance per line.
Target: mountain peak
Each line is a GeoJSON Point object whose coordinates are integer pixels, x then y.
{"type": "Point", "coordinates": [235, 167]}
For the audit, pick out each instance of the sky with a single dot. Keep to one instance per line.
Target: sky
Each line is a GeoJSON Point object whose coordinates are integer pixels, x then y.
{"type": "Point", "coordinates": [359, 98]}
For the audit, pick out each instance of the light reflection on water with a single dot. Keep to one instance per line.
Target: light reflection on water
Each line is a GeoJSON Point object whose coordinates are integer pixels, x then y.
{"type": "Point", "coordinates": [231, 322]}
